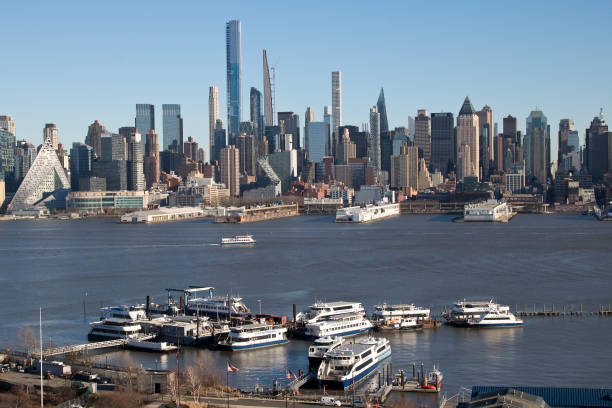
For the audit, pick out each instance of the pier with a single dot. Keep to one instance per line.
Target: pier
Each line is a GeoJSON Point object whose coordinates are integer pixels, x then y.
{"type": "Point", "coordinates": [562, 311]}
{"type": "Point", "coordinates": [76, 348]}
{"type": "Point", "coordinates": [239, 215]}
{"type": "Point", "coordinates": [163, 214]}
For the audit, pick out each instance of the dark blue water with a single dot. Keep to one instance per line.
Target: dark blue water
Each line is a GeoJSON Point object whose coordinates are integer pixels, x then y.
{"type": "Point", "coordinates": [427, 260]}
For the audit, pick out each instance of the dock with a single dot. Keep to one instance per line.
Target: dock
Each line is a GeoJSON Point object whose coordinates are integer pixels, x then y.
{"type": "Point", "coordinates": [163, 214]}
{"type": "Point", "coordinates": [76, 348]}
{"type": "Point", "coordinates": [562, 311]}
{"type": "Point", "coordinates": [240, 215]}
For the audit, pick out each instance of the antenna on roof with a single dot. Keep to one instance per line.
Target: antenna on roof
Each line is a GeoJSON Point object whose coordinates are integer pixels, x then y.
{"type": "Point", "coordinates": [601, 114]}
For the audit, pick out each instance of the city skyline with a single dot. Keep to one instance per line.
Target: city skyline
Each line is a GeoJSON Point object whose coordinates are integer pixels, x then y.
{"type": "Point", "coordinates": [515, 88]}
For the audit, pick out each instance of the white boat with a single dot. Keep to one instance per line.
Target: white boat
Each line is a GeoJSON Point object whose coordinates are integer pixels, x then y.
{"type": "Point", "coordinates": [252, 336]}
{"type": "Point", "coordinates": [216, 307]}
{"type": "Point", "coordinates": [321, 346]}
{"type": "Point", "coordinates": [117, 322]}
{"type": "Point", "coordinates": [340, 325]}
{"type": "Point", "coordinates": [159, 346]}
{"type": "Point", "coordinates": [464, 310]}
{"type": "Point", "coordinates": [349, 364]}
{"type": "Point", "coordinates": [320, 311]}
{"type": "Point", "coordinates": [238, 240]}
{"type": "Point", "coordinates": [404, 316]}
{"type": "Point", "coordinates": [370, 212]}
{"type": "Point", "coordinates": [496, 317]}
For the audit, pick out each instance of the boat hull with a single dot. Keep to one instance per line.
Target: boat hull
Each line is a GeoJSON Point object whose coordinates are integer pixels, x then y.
{"type": "Point", "coordinates": [232, 347]}
{"type": "Point", "coordinates": [341, 334]}
{"type": "Point", "coordinates": [348, 382]}
{"type": "Point", "coordinates": [493, 325]}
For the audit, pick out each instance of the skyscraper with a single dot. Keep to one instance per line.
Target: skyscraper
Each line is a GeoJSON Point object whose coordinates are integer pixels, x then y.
{"type": "Point", "coordinates": [565, 127]}
{"type": "Point", "coordinates": [468, 141]}
{"type": "Point", "coordinates": [151, 159]}
{"type": "Point", "coordinates": [336, 104]}
{"type": "Point", "coordinates": [234, 75]}
{"type": "Point", "coordinates": [220, 141]}
{"type": "Point", "coordinates": [268, 107]}
{"type": "Point", "coordinates": [50, 131]}
{"type": "Point", "coordinates": [257, 119]}
{"type": "Point", "coordinates": [422, 134]}
{"type": "Point", "coordinates": [213, 114]}
{"type": "Point", "coordinates": [487, 136]}
{"type": "Point", "coordinates": [290, 125]}
{"type": "Point", "coordinates": [173, 127]}
{"type": "Point", "coordinates": [442, 142]}
{"type": "Point", "coordinates": [537, 142]}
{"type": "Point", "coordinates": [135, 171]}
{"type": "Point", "coordinates": [81, 157]}
{"type": "Point", "coordinates": [318, 134]}
{"type": "Point", "coordinates": [145, 118]}
{"type": "Point", "coordinates": [7, 122]}
{"type": "Point", "coordinates": [190, 149]}
{"type": "Point", "coordinates": [308, 117]}
{"type": "Point", "coordinates": [24, 157]}
{"type": "Point", "coordinates": [598, 146]}
{"type": "Point", "coordinates": [346, 149]}
{"type": "Point", "coordinates": [94, 138]}
{"type": "Point", "coordinates": [329, 149]}
{"type": "Point", "coordinates": [246, 146]}
{"type": "Point", "coordinates": [404, 168]}
{"type": "Point", "coordinates": [375, 138]}
{"type": "Point", "coordinates": [382, 109]}
{"type": "Point", "coordinates": [7, 155]}
{"type": "Point", "coordinates": [230, 169]}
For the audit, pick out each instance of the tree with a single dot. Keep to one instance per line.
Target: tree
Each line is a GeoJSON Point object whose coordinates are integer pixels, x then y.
{"type": "Point", "coordinates": [194, 383]}
{"type": "Point", "coordinates": [26, 336]}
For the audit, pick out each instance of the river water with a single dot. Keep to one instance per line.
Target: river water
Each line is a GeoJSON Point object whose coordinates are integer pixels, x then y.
{"type": "Point", "coordinates": [426, 260]}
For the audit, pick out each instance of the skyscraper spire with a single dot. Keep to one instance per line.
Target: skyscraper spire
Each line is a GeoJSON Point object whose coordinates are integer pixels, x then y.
{"type": "Point", "coordinates": [268, 111]}
{"type": "Point", "coordinates": [467, 108]}
{"type": "Point", "coordinates": [382, 109]}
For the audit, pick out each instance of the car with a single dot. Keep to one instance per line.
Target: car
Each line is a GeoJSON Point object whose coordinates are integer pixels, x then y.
{"type": "Point", "coordinates": [330, 402]}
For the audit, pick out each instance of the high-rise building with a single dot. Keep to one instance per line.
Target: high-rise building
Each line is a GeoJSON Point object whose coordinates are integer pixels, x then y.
{"type": "Point", "coordinates": [7, 122]}
{"type": "Point", "coordinates": [81, 158]}
{"type": "Point", "coordinates": [386, 150]}
{"type": "Point", "coordinates": [318, 134]}
{"type": "Point", "coordinates": [308, 117]}
{"type": "Point", "coordinates": [336, 104]}
{"type": "Point", "coordinates": [257, 119]}
{"type": "Point", "coordinates": [346, 149]}
{"type": "Point", "coordinates": [7, 155]}
{"type": "Point", "coordinates": [468, 134]}
{"type": "Point", "coordinates": [220, 141]}
{"type": "Point", "coordinates": [486, 142]}
{"type": "Point", "coordinates": [382, 109]}
{"type": "Point", "coordinates": [25, 154]}
{"type": "Point", "coordinates": [190, 149]}
{"type": "Point", "coordinates": [113, 164]}
{"type": "Point", "coordinates": [151, 159]}
{"type": "Point", "coordinates": [230, 169]}
{"type": "Point", "coordinates": [248, 154]}
{"type": "Point", "coordinates": [233, 39]}
{"type": "Point", "coordinates": [94, 137]}
{"type": "Point", "coordinates": [327, 118]}
{"type": "Point", "coordinates": [411, 127]}
{"type": "Point", "coordinates": [375, 138]}
{"type": "Point", "coordinates": [213, 114]}
{"type": "Point", "coordinates": [422, 134]}
{"type": "Point", "coordinates": [404, 168]}
{"type": "Point", "coordinates": [510, 127]}
{"type": "Point", "coordinates": [135, 170]}
{"type": "Point", "coordinates": [268, 106]}
{"type": "Point", "coordinates": [145, 119]}
{"type": "Point", "coordinates": [537, 142]}
{"type": "Point", "coordinates": [50, 131]}
{"type": "Point", "coordinates": [442, 142]}
{"type": "Point", "coordinates": [565, 127]}
{"type": "Point", "coordinates": [173, 127]}
{"type": "Point", "coordinates": [598, 145]}
{"type": "Point", "coordinates": [290, 126]}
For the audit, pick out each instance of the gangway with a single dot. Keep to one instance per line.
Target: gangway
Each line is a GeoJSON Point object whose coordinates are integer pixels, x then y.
{"type": "Point", "coordinates": [94, 345]}
{"type": "Point", "coordinates": [300, 381]}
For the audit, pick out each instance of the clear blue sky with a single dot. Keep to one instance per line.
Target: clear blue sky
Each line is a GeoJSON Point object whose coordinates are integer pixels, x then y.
{"type": "Point", "coordinates": [72, 62]}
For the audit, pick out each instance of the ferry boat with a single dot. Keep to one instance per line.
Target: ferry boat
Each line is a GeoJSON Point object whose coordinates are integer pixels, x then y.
{"type": "Point", "coordinates": [349, 364]}
{"type": "Point", "coordinates": [218, 307]}
{"type": "Point", "coordinates": [404, 316]}
{"type": "Point", "coordinates": [340, 325]}
{"type": "Point", "coordinates": [252, 336]}
{"type": "Point", "coordinates": [496, 317]}
{"type": "Point", "coordinates": [117, 322]}
{"type": "Point", "coordinates": [321, 346]}
{"type": "Point", "coordinates": [464, 310]}
{"type": "Point", "coordinates": [238, 240]}
{"type": "Point", "coordinates": [320, 311]}
{"type": "Point", "coordinates": [366, 214]}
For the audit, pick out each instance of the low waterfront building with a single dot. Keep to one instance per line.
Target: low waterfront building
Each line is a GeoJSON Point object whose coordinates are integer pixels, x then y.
{"type": "Point", "coordinates": [98, 201]}
{"type": "Point", "coordinates": [488, 211]}
{"type": "Point", "coordinates": [368, 213]}
{"type": "Point", "coordinates": [163, 214]}
{"type": "Point", "coordinates": [538, 397]}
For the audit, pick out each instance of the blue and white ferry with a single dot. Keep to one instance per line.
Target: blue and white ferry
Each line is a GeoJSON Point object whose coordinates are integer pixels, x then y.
{"type": "Point", "coordinates": [339, 325]}
{"type": "Point", "coordinates": [349, 364]}
{"type": "Point", "coordinates": [496, 317]}
{"type": "Point", "coordinates": [252, 336]}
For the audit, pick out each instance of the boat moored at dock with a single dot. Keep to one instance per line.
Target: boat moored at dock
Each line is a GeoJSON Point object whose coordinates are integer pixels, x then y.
{"type": "Point", "coordinates": [400, 317]}
{"type": "Point", "coordinates": [320, 311]}
{"type": "Point", "coordinates": [497, 316]}
{"type": "Point", "coordinates": [320, 346]}
{"type": "Point", "coordinates": [340, 325]}
{"type": "Point", "coordinates": [371, 212]}
{"type": "Point", "coordinates": [464, 310]}
{"type": "Point", "coordinates": [253, 336]}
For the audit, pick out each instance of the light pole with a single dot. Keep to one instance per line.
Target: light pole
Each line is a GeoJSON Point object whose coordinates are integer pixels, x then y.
{"type": "Point", "coordinates": [259, 301]}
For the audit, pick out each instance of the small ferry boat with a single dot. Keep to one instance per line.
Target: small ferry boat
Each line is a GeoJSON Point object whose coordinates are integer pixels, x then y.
{"type": "Point", "coordinates": [496, 317]}
{"type": "Point", "coordinates": [117, 322]}
{"type": "Point", "coordinates": [252, 336]}
{"type": "Point", "coordinates": [218, 307]}
{"type": "Point", "coordinates": [320, 311]}
{"type": "Point", "coordinates": [340, 325]}
{"type": "Point", "coordinates": [405, 323]}
{"type": "Point", "coordinates": [238, 240]}
{"type": "Point", "coordinates": [349, 364]}
{"type": "Point", "coordinates": [321, 346]}
{"type": "Point", "coordinates": [400, 317]}
{"type": "Point", "coordinates": [464, 310]}
{"type": "Point", "coordinates": [158, 346]}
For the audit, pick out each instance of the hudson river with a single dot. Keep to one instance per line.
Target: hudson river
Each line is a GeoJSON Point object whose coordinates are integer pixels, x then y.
{"type": "Point", "coordinates": [426, 260]}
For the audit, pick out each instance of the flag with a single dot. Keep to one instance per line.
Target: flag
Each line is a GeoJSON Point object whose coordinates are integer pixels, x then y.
{"type": "Point", "coordinates": [287, 374]}
{"type": "Point", "coordinates": [231, 368]}
{"type": "Point", "coordinates": [292, 375]}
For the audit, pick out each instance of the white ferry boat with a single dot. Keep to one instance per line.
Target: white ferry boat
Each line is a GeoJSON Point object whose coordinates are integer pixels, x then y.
{"type": "Point", "coordinates": [497, 316]}
{"type": "Point", "coordinates": [238, 240]}
{"type": "Point", "coordinates": [324, 310]}
{"type": "Point", "coordinates": [348, 364]}
{"type": "Point", "coordinates": [252, 336]}
{"type": "Point", "coordinates": [321, 346]}
{"type": "Point", "coordinates": [217, 307]}
{"type": "Point", "coordinates": [405, 323]}
{"type": "Point", "coordinates": [117, 322]}
{"type": "Point", "coordinates": [465, 310]}
{"type": "Point", "coordinates": [340, 325]}
{"type": "Point", "coordinates": [368, 213]}
{"type": "Point", "coordinates": [391, 315]}
{"type": "Point", "coordinates": [159, 346]}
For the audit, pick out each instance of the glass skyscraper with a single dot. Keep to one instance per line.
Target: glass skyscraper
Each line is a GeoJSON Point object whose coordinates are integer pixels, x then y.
{"type": "Point", "coordinates": [173, 127]}
{"type": "Point", "coordinates": [145, 118]}
{"type": "Point", "coordinates": [257, 118]}
{"type": "Point", "coordinates": [234, 74]}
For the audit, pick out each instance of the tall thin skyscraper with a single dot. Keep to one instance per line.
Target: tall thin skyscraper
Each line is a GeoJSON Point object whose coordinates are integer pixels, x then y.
{"type": "Point", "coordinates": [487, 137]}
{"type": "Point", "coordinates": [268, 107]}
{"type": "Point", "coordinates": [422, 134]}
{"type": "Point", "coordinates": [375, 138]}
{"type": "Point", "coordinates": [230, 169]}
{"type": "Point", "coordinates": [327, 119]}
{"type": "Point", "coordinates": [308, 117]}
{"type": "Point", "coordinates": [151, 159]}
{"type": "Point", "coordinates": [50, 131]}
{"type": "Point", "coordinates": [145, 118]}
{"type": "Point", "coordinates": [565, 127]}
{"type": "Point", "coordinates": [468, 141]}
{"type": "Point", "coordinates": [537, 143]}
{"type": "Point", "coordinates": [336, 104]}
{"type": "Point", "coordinates": [213, 114]}
{"type": "Point", "coordinates": [382, 109]}
{"type": "Point", "coordinates": [257, 120]}
{"type": "Point", "coordinates": [442, 141]}
{"type": "Point", "coordinates": [173, 127]}
{"type": "Point", "coordinates": [234, 75]}
{"type": "Point", "coordinates": [135, 170]}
